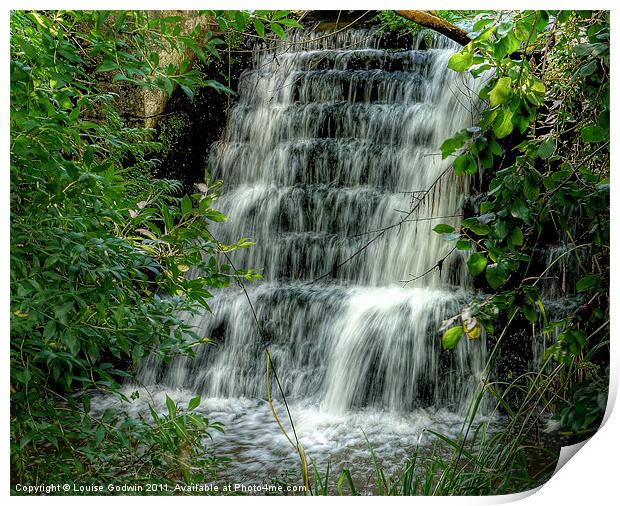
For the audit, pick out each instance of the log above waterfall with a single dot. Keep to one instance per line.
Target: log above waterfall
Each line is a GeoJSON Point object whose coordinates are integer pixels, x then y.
{"type": "Point", "coordinates": [429, 20]}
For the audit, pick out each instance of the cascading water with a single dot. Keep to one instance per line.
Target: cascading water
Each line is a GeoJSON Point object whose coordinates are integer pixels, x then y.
{"type": "Point", "coordinates": [332, 140]}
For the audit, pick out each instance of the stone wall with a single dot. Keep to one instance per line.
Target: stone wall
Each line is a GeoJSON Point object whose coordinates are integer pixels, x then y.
{"type": "Point", "coordinates": [144, 107]}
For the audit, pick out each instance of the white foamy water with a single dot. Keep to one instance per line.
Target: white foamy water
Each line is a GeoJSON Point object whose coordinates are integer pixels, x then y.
{"type": "Point", "coordinates": [259, 451]}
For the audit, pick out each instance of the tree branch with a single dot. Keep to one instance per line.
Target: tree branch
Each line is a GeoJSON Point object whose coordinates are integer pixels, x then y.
{"type": "Point", "coordinates": [429, 20]}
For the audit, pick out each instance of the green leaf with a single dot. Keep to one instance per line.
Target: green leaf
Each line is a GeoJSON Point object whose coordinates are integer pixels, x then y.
{"type": "Point", "coordinates": [241, 17]}
{"type": "Point", "coordinates": [26, 377]}
{"type": "Point", "coordinates": [546, 148]}
{"type": "Point", "coordinates": [590, 49]}
{"type": "Point", "coordinates": [260, 27]}
{"type": "Point", "coordinates": [193, 403]}
{"type": "Point", "coordinates": [479, 228]}
{"type": "Point", "coordinates": [535, 92]}
{"type": "Point", "coordinates": [451, 337]}
{"type": "Point", "coordinates": [50, 330]}
{"type": "Point", "coordinates": [468, 222]}
{"type": "Point", "coordinates": [530, 313]}
{"type": "Point", "coordinates": [500, 229]}
{"type": "Point", "coordinates": [500, 92]}
{"type": "Point", "coordinates": [594, 134]}
{"type": "Point", "coordinates": [289, 22]}
{"type": "Point", "coordinates": [39, 19]}
{"type": "Point", "coordinates": [502, 126]}
{"type": "Point", "coordinates": [216, 85]}
{"type": "Point", "coordinates": [465, 164]}
{"type": "Point", "coordinates": [450, 145]}
{"type": "Point", "coordinates": [213, 215]}
{"type": "Point", "coordinates": [603, 119]}
{"type": "Point", "coordinates": [442, 228]}
{"type": "Point", "coordinates": [504, 28]}
{"type": "Point", "coordinates": [154, 58]}
{"type": "Point", "coordinates": [71, 342]}
{"type": "Point", "coordinates": [461, 61]}
{"type": "Point", "coordinates": [519, 209]}
{"type": "Point", "coordinates": [188, 91]}
{"type": "Point", "coordinates": [279, 15]}
{"type": "Point", "coordinates": [495, 148]}
{"type": "Point", "coordinates": [587, 283]}
{"type": "Point", "coordinates": [531, 189]}
{"type": "Point", "coordinates": [588, 69]}
{"type": "Point", "coordinates": [74, 114]}
{"type": "Point", "coordinates": [99, 434]}
{"type": "Point", "coordinates": [346, 474]}
{"type": "Point", "coordinates": [463, 245]}
{"type": "Point", "coordinates": [476, 263]}
{"type": "Point", "coordinates": [186, 205]}
{"type": "Point", "coordinates": [496, 275]}
{"type": "Point", "coordinates": [137, 353]}
{"type": "Point", "coordinates": [483, 22]}
{"type": "Point", "coordinates": [23, 442]}
{"type": "Point", "coordinates": [62, 311]}
{"type": "Point", "coordinates": [168, 85]}
{"type": "Point", "coordinates": [516, 237]}
{"type": "Point", "coordinates": [278, 30]}
{"type": "Point", "coordinates": [523, 28]}
{"type": "Point", "coordinates": [86, 403]}
{"type": "Point", "coordinates": [506, 45]}
{"type": "Point", "coordinates": [107, 66]}
{"type": "Point", "coordinates": [172, 409]}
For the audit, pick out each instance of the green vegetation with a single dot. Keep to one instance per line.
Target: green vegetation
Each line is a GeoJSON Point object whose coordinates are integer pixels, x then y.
{"type": "Point", "coordinates": [99, 249]}
{"type": "Point", "coordinates": [543, 144]}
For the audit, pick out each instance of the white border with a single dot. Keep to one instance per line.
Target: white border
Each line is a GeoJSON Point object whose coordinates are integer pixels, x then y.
{"type": "Point", "coordinates": [588, 478]}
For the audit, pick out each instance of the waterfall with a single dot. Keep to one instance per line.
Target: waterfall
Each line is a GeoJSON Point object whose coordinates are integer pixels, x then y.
{"type": "Point", "coordinates": [331, 141]}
